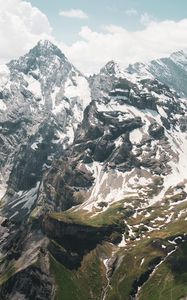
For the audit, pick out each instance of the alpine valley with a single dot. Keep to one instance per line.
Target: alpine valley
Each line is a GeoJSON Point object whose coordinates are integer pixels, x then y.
{"type": "Point", "coordinates": [93, 179]}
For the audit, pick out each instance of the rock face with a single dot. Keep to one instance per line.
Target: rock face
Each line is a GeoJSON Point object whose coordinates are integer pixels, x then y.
{"type": "Point", "coordinates": [93, 170]}
{"type": "Point", "coordinates": [42, 103]}
{"type": "Point", "coordinates": [76, 239]}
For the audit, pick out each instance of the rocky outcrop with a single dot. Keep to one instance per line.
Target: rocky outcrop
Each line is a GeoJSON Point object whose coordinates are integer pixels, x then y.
{"type": "Point", "coordinates": [74, 240]}
{"type": "Point", "coordinates": [31, 283]}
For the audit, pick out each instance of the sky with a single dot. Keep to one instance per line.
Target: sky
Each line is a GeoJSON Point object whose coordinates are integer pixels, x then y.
{"type": "Point", "coordinates": [92, 32]}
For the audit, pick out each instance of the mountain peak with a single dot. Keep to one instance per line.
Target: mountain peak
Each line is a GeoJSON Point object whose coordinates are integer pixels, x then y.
{"type": "Point", "coordinates": [111, 68]}
{"type": "Point", "coordinates": [44, 53]}
{"type": "Point", "coordinates": [46, 47]}
{"type": "Point", "coordinates": [179, 56]}
{"type": "Point", "coordinates": [45, 43]}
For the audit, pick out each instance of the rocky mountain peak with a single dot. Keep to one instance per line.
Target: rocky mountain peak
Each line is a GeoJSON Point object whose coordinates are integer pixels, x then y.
{"type": "Point", "coordinates": [179, 55]}
{"type": "Point", "coordinates": [45, 47]}
{"type": "Point", "coordinates": [111, 68]}
{"type": "Point", "coordinates": [43, 56]}
{"type": "Point", "coordinates": [171, 70]}
{"type": "Point", "coordinates": [42, 98]}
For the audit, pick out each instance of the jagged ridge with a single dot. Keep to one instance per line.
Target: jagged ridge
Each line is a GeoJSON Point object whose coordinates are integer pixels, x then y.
{"type": "Point", "coordinates": [122, 174]}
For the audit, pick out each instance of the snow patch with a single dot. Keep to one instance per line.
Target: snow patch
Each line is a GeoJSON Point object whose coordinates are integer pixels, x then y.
{"type": "Point", "coordinates": [78, 87]}
{"type": "Point", "coordinates": [34, 87]}
{"type": "Point", "coordinates": [2, 106]}
{"type": "Point", "coordinates": [136, 136]}
{"type": "Point", "coordinates": [4, 76]}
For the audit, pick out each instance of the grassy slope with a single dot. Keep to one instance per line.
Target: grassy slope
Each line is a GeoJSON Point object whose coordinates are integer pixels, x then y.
{"type": "Point", "coordinates": [131, 266]}
{"type": "Point", "coordinates": [112, 215]}
{"type": "Point", "coordinates": [170, 280]}
{"type": "Point", "coordinates": [86, 283]}
{"type": "Point", "coordinates": [67, 287]}
{"type": "Point", "coordinates": [89, 280]}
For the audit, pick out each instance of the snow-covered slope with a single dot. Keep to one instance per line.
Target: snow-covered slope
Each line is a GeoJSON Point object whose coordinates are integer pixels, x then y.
{"type": "Point", "coordinates": [134, 140]}
{"type": "Point", "coordinates": [172, 71]}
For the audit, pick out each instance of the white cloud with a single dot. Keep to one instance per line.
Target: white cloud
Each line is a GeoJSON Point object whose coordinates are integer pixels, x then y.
{"type": "Point", "coordinates": [156, 39]}
{"type": "Point", "coordinates": [21, 26]}
{"type": "Point", "coordinates": [145, 19]}
{"type": "Point", "coordinates": [131, 12]}
{"type": "Point", "coordinates": [73, 13]}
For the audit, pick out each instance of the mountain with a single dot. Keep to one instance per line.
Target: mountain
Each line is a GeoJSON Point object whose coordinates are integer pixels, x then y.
{"type": "Point", "coordinates": [42, 102]}
{"type": "Point", "coordinates": [96, 199]}
{"type": "Point", "coordinates": [171, 71]}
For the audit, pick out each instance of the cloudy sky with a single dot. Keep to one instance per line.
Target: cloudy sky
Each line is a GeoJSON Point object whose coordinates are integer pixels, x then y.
{"type": "Point", "coordinates": [91, 33]}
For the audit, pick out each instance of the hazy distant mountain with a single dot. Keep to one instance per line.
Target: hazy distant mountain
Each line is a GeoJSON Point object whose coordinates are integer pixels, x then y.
{"type": "Point", "coordinates": [171, 71]}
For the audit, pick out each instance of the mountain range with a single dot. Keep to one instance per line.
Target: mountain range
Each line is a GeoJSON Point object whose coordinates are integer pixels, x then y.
{"type": "Point", "coordinates": [93, 179]}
